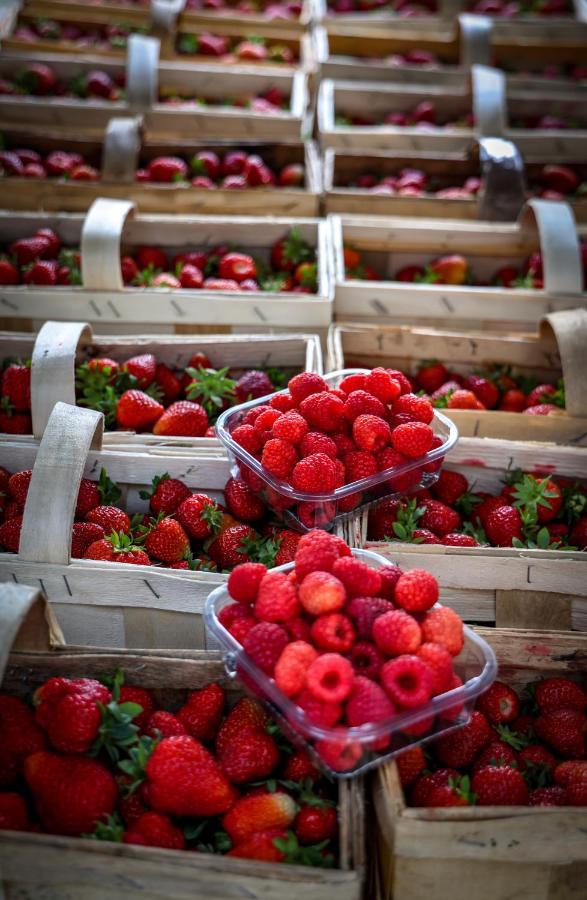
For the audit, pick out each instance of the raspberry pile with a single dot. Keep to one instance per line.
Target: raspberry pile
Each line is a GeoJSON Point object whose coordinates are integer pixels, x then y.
{"type": "Point", "coordinates": [347, 643]}
{"type": "Point", "coordinates": [316, 439]}
{"type": "Point", "coordinates": [514, 751]}
{"type": "Point", "coordinates": [89, 759]}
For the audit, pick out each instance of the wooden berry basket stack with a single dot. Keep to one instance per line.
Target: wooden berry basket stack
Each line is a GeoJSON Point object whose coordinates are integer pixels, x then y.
{"type": "Point", "coordinates": [390, 244]}
{"type": "Point", "coordinates": [33, 864]}
{"type": "Point", "coordinates": [122, 150]}
{"type": "Point", "coordinates": [103, 298]}
{"type": "Point", "coordinates": [523, 851]}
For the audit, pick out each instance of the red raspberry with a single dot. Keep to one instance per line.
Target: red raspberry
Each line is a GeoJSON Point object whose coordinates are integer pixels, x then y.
{"type": "Point", "coordinates": [292, 665]}
{"type": "Point", "coordinates": [253, 414]}
{"type": "Point", "coordinates": [396, 633]}
{"type": "Point", "coordinates": [277, 599]}
{"type": "Point", "coordinates": [359, 464]}
{"type": "Point", "coordinates": [344, 443]}
{"type": "Point", "coordinates": [316, 474]}
{"type": "Point", "coordinates": [439, 661]}
{"type": "Point", "coordinates": [364, 610]}
{"type": "Point", "coordinates": [371, 433]}
{"type": "Point", "coordinates": [359, 579]}
{"type": "Point", "coordinates": [439, 518]}
{"type": "Point", "coordinates": [264, 643]}
{"type": "Point", "coordinates": [444, 626]}
{"type": "Point", "coordinates": [266, 420]}
{"type": "Point", "coordinates": [318, 551]}
{"type": "Point", "coordinates": [305, 384]}
{"type": "Point", "coordinates": [279, 457]}
{"type": "Point", "coordinates": [548, 796]}
{"type": "Point", "coordinates": [333, 632]}
{"type": "Point", "coordinates": [450, 487]}
{"type": "Point", "coordinates": [247, 438]}
{"type": "Point", "coordinates": [282, 402]}
{"type": "Point", "coordinates": [413, 439]}
{"type": "Point", "coordinates": [355, 382]}
{"type": "Point", "coordinates": [290, 427]}
{"type": "Point", "coordinates": [408, 681]}
{"type": "Point", "coordinates": [323, 411]}
{"type": "Point", "coordinates": [321, 592]}
{"type": "Point", "coordinates": [418, 407]}
{"type": "Point", "coordinates": [389, 575]}
{"type": "Point", "coordinates": [244, 581]}
{"type": "Point", "coordinates": [367, 702]}
{"type": "Point", "coordinates": [366, 659]}
{"type": "Point", "coordinates": [316, 442]}
{"type": "Point", "coordinates": [459, 748]}
{"type": "Point", "coordinates": [499, 704]}
{"type": "Point", "coordinates": [330, 678]}
{"type": "Point", "coordinates": [402, 379]}
{"type": "Point", "coordinates": [340, 755]}
{"type": "Point", "coordinates": [416, 590]}
{"type": "Point", "coordinates": [165, 723]}
{"type": "Point", "coordinates": [360, 403]}
{"type": "Point", "coordinates": [240, 625]}
{"type": "Point", "coordinates": [318, 712]}
{"type": "Point", "coordinates": [380, 383]}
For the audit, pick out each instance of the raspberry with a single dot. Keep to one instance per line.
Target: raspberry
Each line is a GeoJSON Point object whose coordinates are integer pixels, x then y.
{"type": "Point", "coordinates": [318, 551]}
{"type": "Point", "coordinates": [439, 661]}
{"type": "Point", "coordinates": [364, 610]}
{"type": "Point", "coordinates": [323, 411]}
{"type": "Point", "coordinates": [450, 487]}
{"type": "Point", "coordinates": [402, 379]}
{"type": "Point", "coordinates": [333, 632]}
{"type": "Point", "coordinates": [360, 403]}
{"type": "Point", "coordinates": [367, 702]}
{"type": "Point", "coordinates": [282, 402]}
{"type": "Point", "coordinates": [371, 433]}
{"type": "Point", "coordinates": [244, 581]}
{"type": "Point", "coordinates": [279, 457]}
{"type": "Point", "coordinates": [389, 575]}
{"type": "Point", "coordinates": [366, 659]}
{"type": "Point", "coordinates": [301, 386]}
{"type": "Point", "coordinates": [443, 626]}
{"type": "Point", "coordinates": [247, 438]}
{"type": "Point", "coordinates": [290, 427]}
{"type": "Point", "coordinates": [340, 755]}
{"type": "Point", "coordinates": [321, 592]}
{"type": "Point", "coordinates": [241, 626]}
{"type": "Point", "coordinates": [359, 464]}
{"type": "Point", "coordinates": [264, 643]}
{"type": "Point", "coordinates": [253, 414]}
{"type": "Point", "coordinates": [418, 407]}
{"type": "Point", "coordinates": [330, 678]}
{"type": "Point", "coordinates": [319, 712]}
{"type": "Point", "coordinates": [344, 443]}
{"type": "Point", "coordinates": [315, 442]}
{"type": "Point", "coordinates": [292, 665]}
{"type": "Point", "coordinates": [266, 420]}
{"type": "Point", "coordinates": [416, 590]}
{"type": "Point", "coordinates": [380, 383]}
{"type": "Point", "coordinates": [359, 579]}
{"type": "Point", "coordinates": [413, 439]}
{"type": "Point", "coordinates": [396, 633]}
{"type": "Point", "coordinates": [355, 382]}
{"type": "Point", "coordinates": [316, 474]}
{"type": "Point", "coordinates": [439, 518]}
{"type": "Point", "coordinates": [408, 681]}
{"type": "Point", "coordinates": [390, 459]}
{"type": "Point", "coordinates": [165, 723]}
{"type": "Point", "coordinates": [277, 600]}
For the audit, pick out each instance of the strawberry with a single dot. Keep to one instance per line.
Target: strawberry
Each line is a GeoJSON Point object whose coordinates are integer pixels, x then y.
{"type": "Point", "coordinates": [410, 764]}
{"type": "Point", "coordinates": [431, 376]}
{"type": "Point", "coordinates": [484, 389]}
{"type": "Point", "coordinates": [538, 495]}
{"type": "Point", "coordinates": [111, 518]}
{"type": "Point", "coordinates": [82, 535]}
{"type": "Point", "coordinates": [137, 411]}
{"type": "Point", "coordinates": [576, 788]}
{"type": "Point", "coordinates": [182, 418]}
{"type": "Point", "coordinates": [560, 693]}
{"type": "Point", "coordinates": [167, 169]}
{"type": "Point", "coordinates": [164, 724]}
{"type": "Point", "coordinates": [299, 767]}
{"type": "Point", "coordinates": [37, 78]}
{"type": "Point", "coordinates": [10, 534]}
{"type": "Point", "coordinates": [288, 252]}
{"type": "Point", "coordinates": [117, 547]}
{"type": "Point", "coordinates": [460, 748]}
{"type": "Point", "coordinates": [499, 704]}
{"type": "Point", "coordinates": [200, 516]}
{"type": "Point", "coordinates": [8, 272]}
{"type": "Point", "coordinates": [455, 792]}
{"type": "Point", "coordinates": [315, 822]}
{"type": "Point", "coordinates": [27, 250]}
{"type": "Point", "coordinates": [449, 269]}
{"type": "Point", "coordinates": [184, 779]}
{"type": "Point", "coordinates": [13, 813]}
{"type": "Point", "coordinates": [246, 716]}
{"type": "Point", "coordinates": [549, 796]}
{"type": "Point", "coordinates": [150, 257]}
{"type": "Point", "coordinates": [42, 272]}
{"type": "Point", "coordinates": [503, 525]}
{"type": "Point", "coordinates": [424, 786]}
{"type": "Point", "coordinates": [153, 829]}
{"type": "Point", "coordinates": [262, 846]}
{"type": "Point", "coordinates": [564, 731]}
{"type": "Point", "coordinates": [16, 386]}
{"type": "Point", "coordinates": [259, 812]}
{"type": "Point", "coordinates": [21, 736]}
{"type": "Point", "coordinates": [69, 712]}
{"type": "Point", "coordinates": [439, 518]}
{"type": "Point", "coordinates": [499, 786]}
{"type": "Point", "coordinates": [288, 543]}
{"type": "Point", "coordinates": [251, 756]}
{"type": "Point", "coordinates": [166, 496]}
{"type": "Point", "coordinates": [202, 713]}
{"type": "Point", "coordinates": [167, 541]}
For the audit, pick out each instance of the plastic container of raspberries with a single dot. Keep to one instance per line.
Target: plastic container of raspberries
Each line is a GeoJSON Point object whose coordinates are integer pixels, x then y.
{"type": "Point", "coordinates": [303, 510]}
{"type": "Point", "coordinates": [343, 751]}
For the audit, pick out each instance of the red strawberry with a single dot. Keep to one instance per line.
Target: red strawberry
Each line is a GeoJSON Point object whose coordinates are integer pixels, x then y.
{"type": "Point", "coordinates": [245, 717]}
{"type": "Point", "coordinates": [68, 710]}
{"type": "Point", "coordinates": [16, 386]}
{"type": "Point", "coordinates": [151, 257]}
{"type": "Point", "coordinates": [450, 487]}
{"type": "Point", "coordinates": [576, 789]}
{"type": "Point", "coordinates": [485, 390]}
{"type": "Point", "coordinates": [230, 547]}
{"type": "Point", "coordinates": [117, 548]}
{"type": "Point", "coordinates": [259, 812]}
{"type": "Point", "coordinates": [460, 748]}
{"type": "Point", "coordinates": [500, 786]}
{"type": "Point", "coordinates": [167, 169]}
{"type": "Point", "coordinates": [564, 731]}
{"type": "Point", "coordinates": [499, 704]}
{"type": "Point", "coordinates": [13, 813]}
{"type": "Point", "coordinates": [503, 525]}
{"type": "Point", "coordinates": [560, 693]}
{"type": "Point", "coordinates": [315, 822]}
{"type": "Point", "coordinates": [21, 736]}
{"type": "Point", "coordinates": [8, 272]}
{"type": "Point", "coordinates": [137, 411]}
{"type": "Point", "coordinates": [249, 757]}
{"type": "Point", "coordinates": [432, 376]}
{"type": "Point", "coordinates": [202, 713]}
{"type": "Point", "coordinates": [82, 535]}
{"type": "Point", "coordinates": [167, 495]}
{"type": "Point", "coordinates": [10, 534]}
{"type": "Point", "coordinates": [42, 272]}
{"type": "Point", "coordinates": [261, 846]}
{"type": "Point", "coordinates": [111, 518]}
{"type": "Point", "coordinates": [200, 516]}
{"type": "Point", "coordinates": [167, 541]}
{"type": "Point", "coordinates": [153, 829]}
{"type": "Point", "coordinates": [164, 724]}
{"type": "Point", "coordinates": [182, 418]}
{"type": "Point", "coordinates": [184, 779]}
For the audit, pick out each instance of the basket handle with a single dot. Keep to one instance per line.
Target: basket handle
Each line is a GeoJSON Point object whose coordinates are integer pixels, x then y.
{"type": "Point", "coordinates": [53, 368]}
{"type": "Point", "coordinates": [475, 33]}
{"type": "Point", "coordinates": [27, 622]}
{"type": "Point", "coordinates": [100, 244]}
{"type": "Point", "coordinates": [559, 244]}
{"type": "Point", "coordinates": [164, 15]}
{"type": "Point", "coordinates": [504, 186]}
{"type": "Point", "coordinates": [489, 101]}
{"type": "Point", "coordinates": [121, 148]}
{"type": "Point", "coordinates": [142, 72]}
{"type": "Point", "coordinates": [569, 327]}
{"type": "Point", "coordinates": [49, 510]}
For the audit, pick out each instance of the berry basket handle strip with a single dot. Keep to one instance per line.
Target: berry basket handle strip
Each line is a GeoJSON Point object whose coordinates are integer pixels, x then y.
{"type": "Point", "coordinates": [570, 331]}
{"type": "Point", "coordinates": [559, 245]}
{"type": "Point", "coordinates": [53, 368]}
{"type": "Point", "coordinates": [49, 510]}
{"type": "Point", "coordinates": [142, 72]}
{"type": "Point", "coordinates": [100, 244]}
{"type": "Point", "coordinates": [121, 148]}
{"type": "Point", "coordinates": [489, 101]}
{"type": "Point", "coordinates": [504, 186]}
{"type": "Point", "coordinates": [475, 34]}
{"type": "Point", "coordinates": [26, 622]}
{"type": "Point", "coordinates": [164, 15]}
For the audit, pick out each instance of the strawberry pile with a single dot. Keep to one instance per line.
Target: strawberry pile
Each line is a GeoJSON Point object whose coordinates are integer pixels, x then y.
{"type": "Point", "coordinates": [556, 182]}
{"type": "Point", "coordinates": [234, 170]}
{"type": "Point", "coordinates": [346, 644]}
{"type": "Point", "coordinates": [27, 163]}
{"type": "Point", "coordinates": [272, 11]}
{"type": "Point", "coordinates": [414, 183]}
{"type": "Point", "coordinates": [83, 37]}
{"type": "Point", "coordinates": [528, 751]}
{"type": "Point", "coordinates": [230, 50]}
{"type": "Point", "coordinates": [180, 529]}
{"type": "Point", "coordinates": [403, 8]}
{"type": "Point", "coordinates": [105, 761]}
{"type": "Point", "coordinates": [510, 8]}
{"type": "Point", "coordinates": [424, 116]}
{"type": "Point", "coordinates": [315, 439]}
{"type": "Point", "coordinates": [41, 260]}
{"type": "Point", "coordinates": [544, 512]}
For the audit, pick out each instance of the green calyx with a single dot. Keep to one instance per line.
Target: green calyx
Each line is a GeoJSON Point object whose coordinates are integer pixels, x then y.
{"type": "Point", "coordinates": [211, 388]}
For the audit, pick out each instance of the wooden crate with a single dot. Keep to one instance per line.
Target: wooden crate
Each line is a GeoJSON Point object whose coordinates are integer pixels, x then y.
{"type": "Point", "coordinates": [537, 355]}
{"type": "Point", "coordinates": [504, 586]}
{"type": "Point", "coordinates": [162, 121]}
{"type": "Point", "coordinates": [60, 347]}
{"type": "Point", "coordinates": [531, 853]}
{"type": "Point", "coordinates": [119, 163]}
{"type": "Point", "coordinates": [390, 244]}
{"type": "Point", "coordinates": [103, 299]}
{"type": "Point", "coordinates": [447, 169]}
{"type": "Point", "coordinates": [34, 864]}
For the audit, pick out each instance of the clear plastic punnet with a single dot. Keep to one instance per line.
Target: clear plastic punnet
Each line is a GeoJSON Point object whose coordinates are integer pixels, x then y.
{"type": "Point", "coordinates": [358, 748]}
{"type": "Point", "coordinates": [304, 511]}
